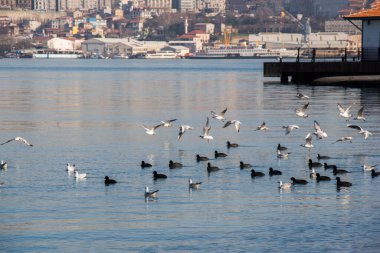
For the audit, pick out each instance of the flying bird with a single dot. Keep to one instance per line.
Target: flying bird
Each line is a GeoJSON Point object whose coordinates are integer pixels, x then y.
{"type": "Point", "coordinates": [182, 130]}
{"type": "Point", "coordinates": [219, 116]}
{"type": "Point", "coordinates": [360, 115]}
{"type": "Point", "coordinates": [151, 130]}
{"type": "Point", "coordinates": [318, 130]}
{"type": "Point", "coordinates": [302, 96]}
{"type": "Point", "coordinates": [362, 131]}
{"type": "Point", "coordinates": [167, 123]}
{"type": "Point", "coordinates": [301, 112]}
{"type": "Point", "coordinates": [263, 127]}
{"type": "Point", "coordinates": [290, 128]}
{"type": "Point", "coordinates": [345, 113]}
{"type": "Point", "coordinates": [234, 122]}
{"type": "Point", "coordinates": [18, 139]}
{"type": "Point", "coordinates": [206, 132]}
{"type": "Point", "coordinates": [308, 143]}
{"type": "Point", "coordinates": [347, 138]}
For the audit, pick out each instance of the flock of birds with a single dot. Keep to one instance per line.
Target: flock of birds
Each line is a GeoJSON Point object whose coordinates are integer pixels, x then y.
{"type": "Point", "coordinates": [281, 150]}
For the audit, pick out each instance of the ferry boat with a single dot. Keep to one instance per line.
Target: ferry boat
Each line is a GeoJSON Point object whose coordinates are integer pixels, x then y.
{"type": "Point", "coordinates": [161, 55]}
{"type": "Point", "coordinates": [242, 53]}
{"type": "Point", "coordinates": [67, 54]}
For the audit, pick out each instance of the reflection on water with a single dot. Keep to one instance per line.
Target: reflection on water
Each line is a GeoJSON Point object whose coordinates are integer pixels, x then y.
{"type": "Point", "coordinates": [90, 113]}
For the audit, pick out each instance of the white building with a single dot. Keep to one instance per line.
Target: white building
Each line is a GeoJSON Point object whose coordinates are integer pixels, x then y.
{"type": "Point", "coordinates": [64, 44]}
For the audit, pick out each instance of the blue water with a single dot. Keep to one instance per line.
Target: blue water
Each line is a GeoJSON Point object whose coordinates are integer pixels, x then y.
{"type": "Point", "coordinates": [90, 112]}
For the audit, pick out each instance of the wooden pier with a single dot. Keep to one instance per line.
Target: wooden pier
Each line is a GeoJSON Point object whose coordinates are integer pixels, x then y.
{"type": "Point", "coordinates": [317, 73]}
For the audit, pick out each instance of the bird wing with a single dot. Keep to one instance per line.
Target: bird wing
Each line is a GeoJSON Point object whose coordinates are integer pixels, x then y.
{"type": "Point", "coordinates": [223, 112]}
{"type": "Point", "coordinates": [308, 138]}
{"type": "Point", "coordinates": [237, 125]}
{"type": "Point", "coordinates": [227, 123]}
{"type": "Point", "coordinates": [355, 127]}
{"type": "Point", "coordinates": [340, 108]}
{"type": "Point", "coordinates": [171, 120]}
{"type": "Point", "coordinates": [7, 141]}
{"type": "Point", "coordinates": [157, 126]}
{"type": "Point", "coordinates": [317, 126]}
{"type": "Point", "coordinates": [23, 140]}
{"type": "Point", "coordinates": [305, 106]}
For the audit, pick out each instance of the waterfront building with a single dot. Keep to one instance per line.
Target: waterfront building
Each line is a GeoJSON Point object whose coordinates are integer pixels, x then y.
{"type": "Point", "coordinates": [64, 44]}
{"type": "Point", "coordinates": [343, 26]}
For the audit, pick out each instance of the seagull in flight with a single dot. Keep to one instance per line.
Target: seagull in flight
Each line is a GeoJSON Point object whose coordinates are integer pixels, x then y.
{"type": "Point", "coordinates": [290, 128]}
{"type": "Point", "coordinates": [302, 96]}
{"type": "Point", "coordinates": [151, 130]}
{"type": "Point", "coordinates": [361, 115]}
{"type": "Point", "coordinates": [345, 113]}
{"type": "Point", "coordinates": [263, 127]}
{"type": "Point", "coordinates": [308, 143]}
{"type": "Point", "coordinates": [235, 122]}
{"type": "Point", "coordinates": [219, 116]}
{"type": "Point", "coordinates": [182, 130]}
{"type": "Point", "coordinates": [347, 138]}
{"type": "Point", "coordinates": [206, 131]}
{"type": "Point", "coordinates": [167, 123]}
{"type": "Point", "coordinates": [362, 131]}
{"type": "Point", "coordinates": [318, 130]}
{"type": "Point", "coordinates": [301, 112]}
{"type": "Point", "coordinates": [18, 139]}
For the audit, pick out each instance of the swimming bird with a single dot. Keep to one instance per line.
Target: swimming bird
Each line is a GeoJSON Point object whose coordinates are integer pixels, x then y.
{"type": "Point", "coordinates": [219, 116]}
{"type": "Point", "coordinates": [256, 173]}
{"type": "Point", "coordinates": [206, 132]}
{"type": "Point", "coordinates": [290, 128]}
{"type": "Point", "coordinates": [340, 183]}
{"type": "Point", "coordinates": [244, 165]}
{"type": "Point", "coordinates": [108, 181]}
{"type": "Point", "coordinates": [318, 130]}
{"type": "Point", "coordinates": [281, 148]}
{"type": "Point", "coordinates": [308, 140]}
{"type": "Point", "coordinates": [284, 186]}
{"type": "Point", "coordinates": [18, 139]}
{"type": "Point", "coordinates": [347, 138]}
{"type": "Point", "coordinates": [80, 176]}
{"type": "Point", "coordinates": [322, 157]}
{"type": "Point", "coordinates": [322, 178]}
{"type": "Point", "coordinates": [329, 166]}
{"type": "Point", "coordinates": [3, 165]}
{"type": "Point", "coordinates": [313, 174]}
{"type": "Point", "coordinates": [167, 123]}
{"type": "Point", "coordinates": [234, 122]}
{"type": "Point", "coordinates": [298, 181]}
{"type": "Point", "coordinates": [360, 115]}
{"type": "Point", "coordinates": [273, 172]}
{"type": "Point", "coordinates": [369, 167]}
{"type": "Point", "coordinates": [301, 112]}
{"type": "Point", "coordinates": [232, 145]}
{"type": "Point", "coordinates": [70, 167]}
{"type": "Point", "coordinates": [194, 185]}
{"type": "Point", "coordinates": [211, 168]}
{"type": "Point", "coordinates": [263, 127]}
{"type": "Point", "coordinates": [148, 194]}
{"type": "Point", "coordinates": [362, 131]}
{"type": "Point", "coordinates": [314, 164]}
{"type": "Point", "coordinates": [339, 171]}
{"type": "Point", "coordinates": [282, 155]}
{"type": "Point", "coordinates": [173, 165]}
{"type": "Point", "coordinates": [302, 96]}
{"type": "Point", "coordinates": [345, 113]}
{"type": "Point", "coordinates": [219, 154]}
{"type": "Point", "coordinates": [151, 130]}
{"type": "Point", "coordinates": [202, 158]}
{"type": "Point", "coordinates": [145, 165]}
{"type": "Point", "coordinates": [158, 176]}
{"type": "Point", "coordinates": [375, 173]}
{"type": "Point", "coordinates": [182, 130]}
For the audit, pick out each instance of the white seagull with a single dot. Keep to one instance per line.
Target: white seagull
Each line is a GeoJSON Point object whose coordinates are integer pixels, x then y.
{"type": "Point", "coordinates": [151, 130]}
{"type": "Point", "coordinates": [263, 127]}
{"type": "Point", "coordinates": [284, 186]}
{"type": "Point", "coordinates": [318, 130]}
{"type": "Point", "coordinates": [182, 130]}
{"type": "Point", "coordinates": [282, 155]}
{"type": "Point", "coordinates": [345, 113]}
{"type": "Point", "coordinates": [301, 112]}
{"type": "Point", "coordinates": [302, 96]}
{"type": "Point", "coordinates": [71, 167]}
{"type": "Point", "coordinates": [149, 194]}
{"type": "Point", "coordinates": [80, 176]}
{"type": "Point", "coordinates": [347, 138]}
{"type": "Point", "coordinates": [235, 122]}
{"type": "Point", "coordinates": [369, 167]}
{"type": "Point", "coordinates": [308, 143]}
{"type": "Point", "coordinates": [206, 132]}
{"type": "Point", "coordinates": [3, 165]}
{"type": "Point", "coordinates": [18, 139]}
{"type": "Point", "coordinates": [362, 131]}
{"type": "Point", "coordinates": [361, 115]}
{"type": "Point", "coordinates": [195, 185]}
{"type": "Point", "coordinates": [167, 123]}
{"type": "Point", "coordinates": [219, 116]}
{"type": "Point", "coordinates": [290, 128]}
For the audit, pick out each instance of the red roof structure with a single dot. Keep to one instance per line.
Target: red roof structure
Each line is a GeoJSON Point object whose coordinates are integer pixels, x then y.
{"type": "Point", "coordinates": [373, 13]}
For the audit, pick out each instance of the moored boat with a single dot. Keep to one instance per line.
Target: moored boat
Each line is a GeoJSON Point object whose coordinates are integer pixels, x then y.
{"type": "Point", "coordinates": [67, 54]}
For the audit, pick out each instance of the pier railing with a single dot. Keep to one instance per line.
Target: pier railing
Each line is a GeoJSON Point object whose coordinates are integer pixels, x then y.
{"type": "Point", "coordinates": [338, 54]}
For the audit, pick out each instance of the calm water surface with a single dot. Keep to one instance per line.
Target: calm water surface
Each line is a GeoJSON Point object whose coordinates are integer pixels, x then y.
{"type": "Point", "coordinates": [89, 112]}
